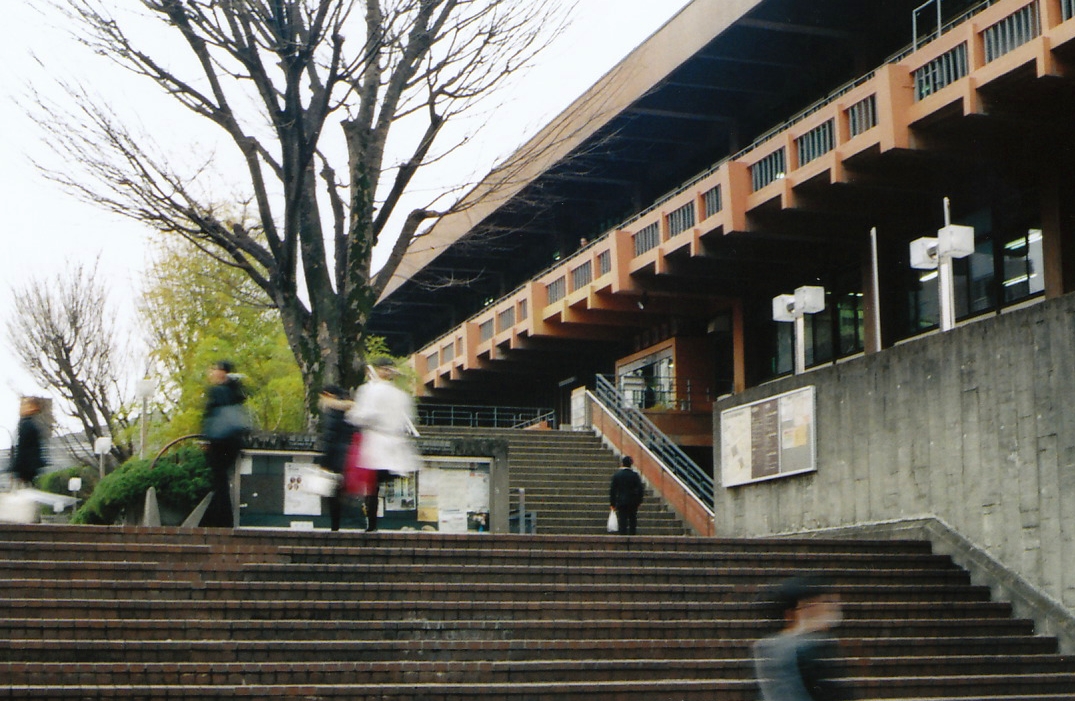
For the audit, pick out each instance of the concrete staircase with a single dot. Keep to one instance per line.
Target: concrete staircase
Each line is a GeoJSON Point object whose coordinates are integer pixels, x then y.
{"type": "Point", "coordinates": [566, 476]}
{"type": "Point", "coordinates": [134, 613]}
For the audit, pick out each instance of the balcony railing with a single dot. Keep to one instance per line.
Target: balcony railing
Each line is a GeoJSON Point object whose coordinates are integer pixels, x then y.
{"type": "Point", "coordinates": [697, 480]}
{"type": "Point", "coordinates": [581, 276]}
{"type": "Point", "coordinates": [816, 143]}
{"type": "Point", "coordinates": [768, 170]}
{"type": "Point", "coordinates": [862, 116]}
{"type": "Point", "coordinates": [712, 201]}
{"type": "Point", "coordinates": [647, 238]}
{"type": "Point", "coordinates": [681, 219]}
{"type": "Point", "coordinates": [941, 72]}
{"type": "Point", "coordinates": [556, 290]}
{"type": "Point", "coordinates": [1012, 32]}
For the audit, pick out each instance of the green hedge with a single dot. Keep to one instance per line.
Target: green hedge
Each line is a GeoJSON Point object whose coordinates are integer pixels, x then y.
{"type": "Point", "coordinates": [56, 482]}
{"type": "Point", "coordinates": [180, 478]}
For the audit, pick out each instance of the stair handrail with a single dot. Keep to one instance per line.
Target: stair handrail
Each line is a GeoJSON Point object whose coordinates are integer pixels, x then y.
{"type": "Point", "coordinates": [671, 456]}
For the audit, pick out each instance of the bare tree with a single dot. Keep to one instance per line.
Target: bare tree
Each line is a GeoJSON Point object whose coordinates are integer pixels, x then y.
{"type": "Point", "coordinates": [271, 76]}
{"type": "Point", "coordinates": [65, 336]}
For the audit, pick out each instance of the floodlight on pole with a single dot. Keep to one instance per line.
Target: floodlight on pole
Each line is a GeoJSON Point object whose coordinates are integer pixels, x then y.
{"type": "Point", "coordinates": [936, 253]}
{"type": "Point", "coordinates": [809, 299]}
{"type": "Point", "coordinates": [101, 446]}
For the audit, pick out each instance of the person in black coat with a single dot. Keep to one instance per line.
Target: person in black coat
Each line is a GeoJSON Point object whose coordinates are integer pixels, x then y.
{"type": "Point", "coordinates": [221, 452]}
{"type": "Point", "coordinates": [335, 442]}
{"type": "Point", "coordinates": [28, 458]}
{"type": "Point", "coordinates": [625, 496]}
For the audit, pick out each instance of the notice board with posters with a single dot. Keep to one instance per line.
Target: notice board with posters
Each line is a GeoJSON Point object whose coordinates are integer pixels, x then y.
{"type": "Point", "coordinates": [767, 439]}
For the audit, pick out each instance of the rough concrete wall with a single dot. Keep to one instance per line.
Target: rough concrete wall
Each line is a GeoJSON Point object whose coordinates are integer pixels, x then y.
{"type": "Point", "coordinates": [975, 427]}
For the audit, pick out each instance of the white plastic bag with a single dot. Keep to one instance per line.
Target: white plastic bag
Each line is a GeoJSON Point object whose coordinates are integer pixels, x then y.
{"type": "Point", "coordinates": [319, 481]}
{"type": "Point", "coordinates": [613, 522]}
{"type": "Point", "coordinates": [18, 507]}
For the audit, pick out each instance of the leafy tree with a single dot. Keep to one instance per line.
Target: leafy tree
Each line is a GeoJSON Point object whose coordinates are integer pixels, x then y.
{"type": "Point", "coordinates": [197, 311]}
{"type": "Point", "coordinates": [272, 78]}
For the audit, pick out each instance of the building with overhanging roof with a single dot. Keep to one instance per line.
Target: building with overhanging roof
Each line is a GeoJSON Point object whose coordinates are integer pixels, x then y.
{"type": "Point", "coordinates": [752, 148]}
{"type": "Point", "coordinates": [746, 149]}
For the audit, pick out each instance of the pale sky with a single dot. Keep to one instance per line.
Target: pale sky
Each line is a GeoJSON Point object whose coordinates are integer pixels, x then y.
{"type": "Point", "coordinates": [44, 228]}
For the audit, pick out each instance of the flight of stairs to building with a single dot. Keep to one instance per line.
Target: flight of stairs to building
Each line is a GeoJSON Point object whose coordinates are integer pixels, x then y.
{"type": "Point", "coordinates": [566, 475]}
{"type": "Point", "coordinates": [143, 613]}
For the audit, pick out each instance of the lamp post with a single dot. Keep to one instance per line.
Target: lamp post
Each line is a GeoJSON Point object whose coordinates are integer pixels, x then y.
{"type": "Point", "coordinates": [101, 446]}
{"type": "Point", "coordinates": [145, 389]}
{"type": "Point", "coordinates": [809, 299]}
{"type": "Point", "coordinates": [936, 253]}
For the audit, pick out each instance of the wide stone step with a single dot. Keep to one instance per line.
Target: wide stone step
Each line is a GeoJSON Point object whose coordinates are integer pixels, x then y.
{"type": "Point", "coordinates": [260, 543]}
{"type": "Point", "coordinates": [685, 690]}
{"type": "Point", "coordinates": [334, 628]}
{"type": "Point", "coordinates": [901, 596]}
{"type": "Point", "coordinates": [1039, 675]}
{"type": "Point", "coordinates": [881, 654]}
{"type": "Point", "coordinates": [473, 610]}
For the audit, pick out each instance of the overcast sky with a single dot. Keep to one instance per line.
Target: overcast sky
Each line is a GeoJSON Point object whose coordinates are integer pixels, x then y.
{"type": "Point", "coordinates": [45, 229]}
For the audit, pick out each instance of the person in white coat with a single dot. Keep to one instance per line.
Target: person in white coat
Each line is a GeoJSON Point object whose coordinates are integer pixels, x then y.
{"type": "Point", "coordinates": [385, 415]}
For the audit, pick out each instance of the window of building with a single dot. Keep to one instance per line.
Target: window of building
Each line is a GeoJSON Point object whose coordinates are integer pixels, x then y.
{"type": "Point", "coordinates": [1006, 268]}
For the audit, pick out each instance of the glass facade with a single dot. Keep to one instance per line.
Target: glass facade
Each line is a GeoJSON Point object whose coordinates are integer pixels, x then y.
{"type": "Point", "coordinates": [1006, 268]}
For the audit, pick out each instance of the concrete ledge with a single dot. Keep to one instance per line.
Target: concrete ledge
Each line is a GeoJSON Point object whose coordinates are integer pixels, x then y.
{"type": "Point", "coordinates": [1049, 615]}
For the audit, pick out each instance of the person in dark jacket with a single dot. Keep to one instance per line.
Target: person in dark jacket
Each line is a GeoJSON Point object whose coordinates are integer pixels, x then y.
{"type": "Point", "coordinates": [335, 442]}
{"type": "Point", "coordinates": [625, 496]}
{"type": "Point", "coordinates": [225, 390]}
{"type": "Point", "coordinates": [801, 662]}
{"type": "Point", "coordinates": [28, 458]}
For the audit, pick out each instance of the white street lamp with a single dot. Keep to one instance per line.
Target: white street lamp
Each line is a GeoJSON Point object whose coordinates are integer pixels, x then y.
{"type": "Point", "coordinates": [936, 253]}
{"type": "Point", "coordinates": [809, 299]}
{"type": "Point", "coordinates": [101, 446]}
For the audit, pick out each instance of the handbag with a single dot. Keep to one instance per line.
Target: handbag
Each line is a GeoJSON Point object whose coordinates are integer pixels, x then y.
{"type": "Point", "coordinates": [227, 421]}
{"type": "Point", "coordinates": [319, 481]}
{"type": "Point", "coordinates": [613, 522]}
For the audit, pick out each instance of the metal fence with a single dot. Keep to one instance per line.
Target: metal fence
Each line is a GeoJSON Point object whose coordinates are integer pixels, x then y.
{"type": "Point", "coordinates": [1012, 32]}
{"type": "Point", "coordinates": [816, 142]}
{"type": "Point", "coordinates": [697, 480]}
{"type": "Point", "coordinates": [768, 169]}
{"type": "Point", "coordinates": [862, 116]}
{"type": "Point", "coordinates": [941, 72]}
{"type": "Point", "coordinates": [475, 416]}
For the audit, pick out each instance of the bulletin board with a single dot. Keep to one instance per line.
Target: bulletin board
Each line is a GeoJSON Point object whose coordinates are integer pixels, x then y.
{"type": "Point", "coordinates": [768, 439]}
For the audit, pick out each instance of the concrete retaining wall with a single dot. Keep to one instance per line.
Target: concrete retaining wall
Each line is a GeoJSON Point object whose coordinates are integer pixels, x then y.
{"type": "Point", "coordinates": [975, 427]}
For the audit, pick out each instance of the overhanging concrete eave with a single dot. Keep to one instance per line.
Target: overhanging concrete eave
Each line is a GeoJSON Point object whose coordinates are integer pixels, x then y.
{"type": "Point", "coordinates": [669, 47]}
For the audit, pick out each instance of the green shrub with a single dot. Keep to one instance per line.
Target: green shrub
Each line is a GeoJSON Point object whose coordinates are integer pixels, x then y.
{"type": "Point", "coordinates": [56, 482]}
{"type": "Point", "coordinates": [181, 480]}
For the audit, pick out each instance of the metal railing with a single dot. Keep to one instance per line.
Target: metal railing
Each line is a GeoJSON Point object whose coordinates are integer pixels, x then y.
{"type": "Point", "coordinates": [483, 416]}
{"type": "Point", "coordinates": [862, 116]}
{"type": "Point", "coordinates": [1012, 32]}
{"type": "Point", "coordinates": [681, 219]}
{"type": "Point", "coordinates": [941, 72]}
{"type": "Point", "coordinates": [817, 142]}
{"type": "Point", "coordinates": [768, 169]}
{"type": "Point", "coordinates": [697, 480]}
{"type": "Point", "coordinates": [712, 201]}
{"type": "Point", "coordinates": [647, 238]}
